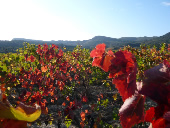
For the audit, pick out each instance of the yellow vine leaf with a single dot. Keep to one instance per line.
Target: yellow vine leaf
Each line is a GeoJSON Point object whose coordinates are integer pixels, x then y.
{"type": "Point", "coordinates": [115, 96]}
{"type": "Point", "coordinates": [22, 112]}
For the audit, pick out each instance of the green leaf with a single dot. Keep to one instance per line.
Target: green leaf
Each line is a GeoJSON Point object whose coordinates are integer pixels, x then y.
{"type": "Point", "coordinates": [4, 68]}
{"type": "Point", "coordinates": [67, 122]}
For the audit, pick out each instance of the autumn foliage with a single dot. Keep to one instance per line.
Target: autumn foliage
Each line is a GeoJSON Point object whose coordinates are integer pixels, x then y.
{"type": "Point", "coordinates": [122, 67]}
{"type": "Point", "coordinates": [47, 74]}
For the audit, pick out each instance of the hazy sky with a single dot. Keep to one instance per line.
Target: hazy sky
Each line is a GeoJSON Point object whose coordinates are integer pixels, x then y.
{"type": "Point", "coordinates": [83, 19]}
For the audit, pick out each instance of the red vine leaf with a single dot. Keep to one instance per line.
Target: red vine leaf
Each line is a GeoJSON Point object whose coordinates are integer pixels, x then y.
{"type": "Point", "coordinates": [82, 124]}
{"type": "Point", "coordinates": [154, 86]}
{"type": "Point", "coordinates": [82, 114]}
{"type": "Point", "coordinates": [160, 123]}
{"type": "Point", "coordinates": [100, 58]}
{"type": "Point", "coordinates": [8, 123]}
{"type": "Point", "coordinates": [158, 74]}
{"type": "Point", "coordinates": [98, 52]}
{"type": "Point", "coordinates": [123, 63]}
{"type": "Point", "coordinates": [54, 46]}
{"type": "Point", "coordinates": [31, 58]}
{"type": "Point", "coordinates": [44, 68]}
{"type": "Point", "coordinates": [106, 61]}
{"type": "Point", "coordinates": [68, 98]}
{"type": "Point", "coordinates": [157, 92]}
{"type": "Point", "coordinates": [132, 111]}
{"type": "Point", "coordinates": [64, 104]}
{"type": "Point", "coordinates": [126, 85]}
{"type": "Point", "coordinates": [150, 114]}
{"type": "Point", "coordinates": [84, 99]}
{"type": "Point", "coordinates": [123, 69]}
{"type": "Point", "coordinates": [60, 53]}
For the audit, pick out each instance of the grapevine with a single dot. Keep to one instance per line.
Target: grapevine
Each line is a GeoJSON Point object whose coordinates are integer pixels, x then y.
{"type": "Point", "coordinates": [37, 77]}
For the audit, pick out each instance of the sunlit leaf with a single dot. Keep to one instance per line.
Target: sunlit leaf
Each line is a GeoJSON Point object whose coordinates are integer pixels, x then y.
{"type": "Point", "coordinates": [100, 58]}
{"type": "Point", "coordinates": [44, 68]}
{"type": "Point", "coordinates": [21, 112]}
{"type": "Point", "coordinates": [132, 111]}
{"type": "Point", "coordinates": [82, 114]}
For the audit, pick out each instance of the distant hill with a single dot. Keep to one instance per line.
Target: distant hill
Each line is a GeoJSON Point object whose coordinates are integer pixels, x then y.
{"type": "Point", "coordinates": [158, 40]}
{"type": "Point", "coordinates": [114, 43]}
{"type": "Point", "coordinates": [25, 39]}
{"type": "Point", "coordinates": [124, 41]}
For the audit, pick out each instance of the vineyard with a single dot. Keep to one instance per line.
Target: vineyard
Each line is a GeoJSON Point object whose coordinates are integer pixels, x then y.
{"type": "Point", "coordinates": [127, 88]}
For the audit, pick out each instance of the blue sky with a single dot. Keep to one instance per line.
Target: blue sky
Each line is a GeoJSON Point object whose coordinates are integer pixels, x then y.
{"type": "Point", "coordinates": [83, 19]}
